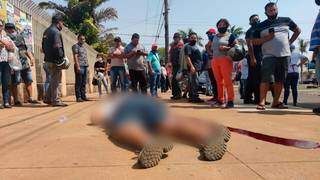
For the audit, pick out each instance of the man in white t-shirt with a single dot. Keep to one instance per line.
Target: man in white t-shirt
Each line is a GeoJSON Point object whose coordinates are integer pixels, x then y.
{"type": "Point", "coordinates": [296, 61]}
{"type": "Point", "coordinates": [117, 65]}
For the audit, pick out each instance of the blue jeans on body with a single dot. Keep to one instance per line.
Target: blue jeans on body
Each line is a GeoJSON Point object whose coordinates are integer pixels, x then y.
{"type": "Point", "coordinates": [5, 80]}
{"type": "Point", "coordinates": [154, 84]}
{"type": "Point", "coordinates": [81, 81]}
{"type": "Point", "coordinates": [117, 73]}
{"type": "Point", "coordinates": [193, 85]}
{"type": "Point", "coordinates": [291, 82]}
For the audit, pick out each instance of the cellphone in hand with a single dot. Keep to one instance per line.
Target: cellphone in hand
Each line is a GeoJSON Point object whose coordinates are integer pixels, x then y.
{"type": "Point", "coordinates": [271, 30]}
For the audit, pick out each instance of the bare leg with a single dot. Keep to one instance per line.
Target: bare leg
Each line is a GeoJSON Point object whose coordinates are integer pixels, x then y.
{"type": "Point", "coordinates": [131, 134]}
{"type": "Point", "coordinates": [264, 88]}
{"type": "Point", "coordinates": [188, 130]}
{"type": "Point", "coordinates": [14, 90]}
{"type": "Point", "coordinates": [277, 92]}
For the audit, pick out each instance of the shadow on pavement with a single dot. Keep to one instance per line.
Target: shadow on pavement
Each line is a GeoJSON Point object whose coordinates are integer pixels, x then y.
{"type": "Point", "coordinates": [278, 112]}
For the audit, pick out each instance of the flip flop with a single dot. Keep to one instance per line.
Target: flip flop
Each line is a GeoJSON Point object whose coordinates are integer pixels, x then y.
{"type": "Point", "coordinates": [279, 106]}
{"type": "Point", "coordinates": [261, 107]}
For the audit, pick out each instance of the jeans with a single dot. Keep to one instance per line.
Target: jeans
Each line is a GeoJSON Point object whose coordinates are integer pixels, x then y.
{"type": "Point", "coordinates": [5, 80]}
{"type": "Point", "coordinates": [48, 77]}
{"type": "Point", "coordinates": [208, 82]}
{"type": "Point", "coordinates": [253, 85]}
{"type": "Point", "coordinates": [103, 81]}
{"type": "Point", "coordinates": [193, 85]}
{"type": "Point", "coordinates": [213, 84]}
{"type": "Point", "coordinates": [52, 94]}
{"type": "Point", "coordinates": [163, 82]}
{"type": "Point", "coordinates": [81, 82]}
{"type": "Point", "coordinates": [176, 91]}
{"type": "Point", "coordinates": [154, 84]}
{"type": "Point", "coordinates": [117, 73]}
{"type": "Point", "coordinates": [138, 77]}
{"type": "Point", "coordinates": [291, 81]}
{"type": "Point", "coordinates": [242, 88]}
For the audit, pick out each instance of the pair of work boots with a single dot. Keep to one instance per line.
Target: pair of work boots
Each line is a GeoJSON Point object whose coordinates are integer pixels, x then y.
{"type": "Point", "coordinates": [212, 150]}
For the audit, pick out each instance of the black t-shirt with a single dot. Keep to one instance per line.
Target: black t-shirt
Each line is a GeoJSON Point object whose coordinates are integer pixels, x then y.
{"type": "Point", "coordinates": [252, 33]}
{"type": "Point", "coordinates": [99, 64]}
{"type": "Point", "coordinates": [195, 55]}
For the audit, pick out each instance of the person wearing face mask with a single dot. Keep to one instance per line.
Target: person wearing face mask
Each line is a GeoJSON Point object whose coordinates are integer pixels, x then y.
{"type": "Point", "coordinates": [6, 46]}
{"type": "Point", "coordinates": [154, 67]}
{"type": "Point", "coordinates": [254, 59]}
{"type": "Point", "coordinates": [27, 61]}
{"type": "Point", "coordinates": [211, 33]}
{"type": "Point", "coordinates": [222, 64]}
{"type": "Point", "coordinates": [315, 48]}
{"type": "Point", "coordinates": [194, 61]}
{"type": "Point", "coordinates": [53, 49]}
{"type": "Point", "coordinates": [275, 41]}
{"type": "Point", "coordinates": [80, 68]}
{"type": "Point", "coordinates": [174, 64]}
{"type": "Point", "coordinates": [117, 71]}
{"type": "Point", "coordinates": [100, 70]}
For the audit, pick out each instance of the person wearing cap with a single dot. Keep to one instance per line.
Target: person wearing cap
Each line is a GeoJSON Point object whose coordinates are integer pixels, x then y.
{"type": "Point", "coordinates": [53, 49]}
{"type": "Point", "coordinates": [154, 67]}
{"type": "Point", "coordinates": [80, 68]}
{"type": "Point", "coordinates": [117, 71]}
{"type": "Point", "coordinates": [211, 33]}
{"type": "Point", "coordinates": [135, 54]}
{"type": "Point", "coordinates": [27, 61]}
{"type": "Point", "coordinates": [174, 63]}
{"type": "Point", "coordinates": [6, 45]}
{"type": "Point", "coordinates": [297, 60]}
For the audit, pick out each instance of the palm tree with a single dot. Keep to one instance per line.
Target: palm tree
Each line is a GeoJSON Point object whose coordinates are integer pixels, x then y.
{"type": "Point", "coordinates": [185, 34]}
{"type": "Point", "coordinates": [237, 31]}
{"type": "Point", "coordinates": [82, 16]}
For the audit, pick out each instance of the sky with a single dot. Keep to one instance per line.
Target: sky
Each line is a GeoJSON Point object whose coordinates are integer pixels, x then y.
{"type": "Point", "coordinates": [142, 16]}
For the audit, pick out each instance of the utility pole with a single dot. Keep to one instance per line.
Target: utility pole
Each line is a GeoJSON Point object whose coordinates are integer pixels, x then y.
{"type": "Point", "coordinates": [166, 27]}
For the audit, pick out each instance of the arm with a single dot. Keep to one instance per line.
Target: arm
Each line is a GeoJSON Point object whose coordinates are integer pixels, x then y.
{"type": "Point", "coordinates": [7, 44]}
{"type": "Point", "coordinates": [209, 47]}
{"type": "Point", "coordinates": [192, 68]}
{"type": "Point", "coordinates": [263, 40]}
{"type": "Point", "coordinates": [253, 61]}
{"type": "Point", "coordinates": [150, 68]}
{"type": "Point", "coordinates": [31, 57]}
{"type": "Point", "coordinates": [296, 33]}
{"type": "Point", "coordinates": [76, 58]}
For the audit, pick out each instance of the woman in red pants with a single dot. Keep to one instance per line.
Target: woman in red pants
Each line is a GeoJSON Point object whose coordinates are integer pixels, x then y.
{"type": "Point", "coordinates": [222, 64]}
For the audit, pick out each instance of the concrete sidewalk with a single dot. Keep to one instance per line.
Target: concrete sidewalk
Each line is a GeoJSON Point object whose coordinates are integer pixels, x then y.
{"type": "Point", "coordinates": [59, 143]}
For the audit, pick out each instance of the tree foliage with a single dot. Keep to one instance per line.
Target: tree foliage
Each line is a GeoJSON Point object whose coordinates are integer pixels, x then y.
{"type": "Point", "coordinates": [85, 17]}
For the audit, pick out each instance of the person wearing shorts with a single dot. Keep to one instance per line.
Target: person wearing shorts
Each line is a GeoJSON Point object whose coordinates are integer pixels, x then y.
{"type": "Point", "coordinates": [144, 124]}
{"type": "Point", "coordinates": [274, 33]}
{"type": "Point", "coordinates": [27, 61]}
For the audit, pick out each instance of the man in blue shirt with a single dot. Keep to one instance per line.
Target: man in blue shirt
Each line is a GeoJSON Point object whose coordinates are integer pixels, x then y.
{"type": "Point", "coordinates": [154, 67]}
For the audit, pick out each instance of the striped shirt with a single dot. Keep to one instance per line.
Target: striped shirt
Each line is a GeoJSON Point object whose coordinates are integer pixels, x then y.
{"type": "Point", "coordinates": [315, 35]}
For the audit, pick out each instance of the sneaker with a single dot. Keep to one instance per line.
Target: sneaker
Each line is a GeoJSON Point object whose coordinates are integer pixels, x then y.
{"type": "Point", "coordinates": [196, 100]}
{"type": "Point", "coordinates": [18, 103]}
{"type": "Point", "coordinates": [85, 99]}
{"type": "Point", "coordinates": [217, 104]}
{"type": "Point", "coordinates": [230, 104]}
{"type": "Point", "coordinates": [79, 100]}
{"type": "Point", "coordinates": [175, 97]}
{"type": "Point", "coordinates": [33, 101]}
{"type": "Point", "coordinates": [7, 105]}
{"type": "Point", "coordinates": [59, 104]}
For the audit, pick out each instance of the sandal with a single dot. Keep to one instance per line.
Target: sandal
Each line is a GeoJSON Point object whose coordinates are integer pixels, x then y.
{"type": "Point", "coordinates": [261, 107]}
{"type": "Point", "coordinates": [316, 110]}
{"type": "Point", "coordinates": [279, 106]}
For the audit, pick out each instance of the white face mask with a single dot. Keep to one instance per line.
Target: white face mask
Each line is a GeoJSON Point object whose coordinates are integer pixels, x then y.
{"type": "Point", "coordinates": [99, 59]}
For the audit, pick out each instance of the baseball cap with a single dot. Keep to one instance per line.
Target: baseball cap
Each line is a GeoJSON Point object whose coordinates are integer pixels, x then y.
{"type": "Point", "coordinates": [212, 31]}
{"type": "Point", "coordinates": [10, 26]}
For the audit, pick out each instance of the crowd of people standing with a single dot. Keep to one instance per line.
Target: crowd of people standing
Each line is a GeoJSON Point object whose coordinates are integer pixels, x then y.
{"type": "Point", "coordinates": [270, 64]}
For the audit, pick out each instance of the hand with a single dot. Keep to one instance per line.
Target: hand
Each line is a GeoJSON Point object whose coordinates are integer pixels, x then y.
{"type": "Point", "coordinates": [31, 62]}
{"type": "Point", "coordinates": [269, 37]}
{"type": "Point", "coordinates": [151, 73]}
{"type": "Point", "coordinates": [193, 70]}
{"type": "Point", "coordinates": [253, 63]}
{"type": "Point", "coordinates": [224, 48]}
{"type": "Point", "coordinates": [77, 69]}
